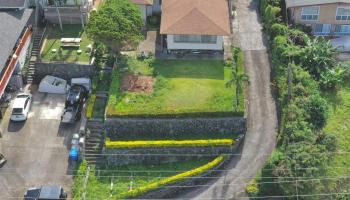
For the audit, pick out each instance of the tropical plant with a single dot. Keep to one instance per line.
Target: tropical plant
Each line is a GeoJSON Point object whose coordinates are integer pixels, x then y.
{"type": "Point", "coordinates": [116, 24]}
{"type": "Point", "coordinates": [332, 78]}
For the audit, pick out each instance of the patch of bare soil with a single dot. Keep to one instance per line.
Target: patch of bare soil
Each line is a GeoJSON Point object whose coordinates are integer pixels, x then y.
{"type": "Point", "coordinates": [136, 83]}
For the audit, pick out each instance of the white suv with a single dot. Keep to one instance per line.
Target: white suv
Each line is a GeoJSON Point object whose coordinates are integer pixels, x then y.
{"type": "Point", "coordinates": [21, 107]}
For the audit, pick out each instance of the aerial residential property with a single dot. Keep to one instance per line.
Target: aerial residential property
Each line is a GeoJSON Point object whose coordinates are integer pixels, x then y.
{"type": "Point", "coordinates": [195, 25]}
{"type": "Point", "coordinates": [174, 99]}
{"type": "Point", "coordinates": [16, 34]}
{"type": "Point", "coordinates": [325, 17]}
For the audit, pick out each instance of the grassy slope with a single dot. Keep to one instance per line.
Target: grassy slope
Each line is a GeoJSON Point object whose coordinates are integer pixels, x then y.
{"type": "Point", "coordinates": [69, 54]}
{"type": "Point", "coordinates": [183, 86]}
{"type": "Point", "coordinates": [338, 125]}
{"type": "Point", "coordinates": [100, 187]}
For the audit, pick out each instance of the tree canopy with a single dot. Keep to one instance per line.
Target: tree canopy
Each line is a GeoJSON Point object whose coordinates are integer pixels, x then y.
{"type": "Point", "coordinates": [116, 24]}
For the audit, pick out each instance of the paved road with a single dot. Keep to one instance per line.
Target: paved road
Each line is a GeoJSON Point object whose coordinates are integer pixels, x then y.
{"type": "Point", "coordinates": [262, 120]}
{"type": "Point", "coordinates": [36, 150]}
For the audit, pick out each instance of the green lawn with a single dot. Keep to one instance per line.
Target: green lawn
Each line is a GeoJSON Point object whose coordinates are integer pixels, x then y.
{"type": "Point", "coordinates": [183, 87]}
{"type": "Point", "coordinates": [66, 54]}
{"type": "Point", "coordinates": [338, 124]}
{"type": "Point", "coordinates": [99, 182]}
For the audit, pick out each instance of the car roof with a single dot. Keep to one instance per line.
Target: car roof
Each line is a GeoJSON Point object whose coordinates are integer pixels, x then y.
{"type": "Point", "coordinates": [19, 102]}
{"type": "Point", "coordinates": [50, 192]}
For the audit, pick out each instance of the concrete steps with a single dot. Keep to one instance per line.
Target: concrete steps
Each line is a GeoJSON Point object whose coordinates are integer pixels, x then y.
{"type": "Point", "coordinates": [34, 55]}
{"type": "Point", "coordinates": [94, 143]}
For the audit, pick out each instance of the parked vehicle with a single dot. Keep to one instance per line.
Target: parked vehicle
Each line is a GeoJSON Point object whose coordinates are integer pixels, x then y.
{"type": "Point", "coordinates": [50, 192]}
{"type": "Point", "coordinates": [2, 160]}
{"type": "Point", "coordinates": [77, 95]}
{"type": "Point", "coordinates": [71, 113]}
{"type": "Point", "coordinates": [21, 107]}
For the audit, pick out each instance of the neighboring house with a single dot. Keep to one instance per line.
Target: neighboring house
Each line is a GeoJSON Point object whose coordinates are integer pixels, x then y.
{"type": "Point", "coordinates": [325, 17]}
{"type": "Point", "coordinates": [148, 7]}
{"type": "Point", "coordinates": [70, 11]}
{"type": "Point", "coordinates": [195, 24]}
{"type": "Point", "coordinates": [15, 38]}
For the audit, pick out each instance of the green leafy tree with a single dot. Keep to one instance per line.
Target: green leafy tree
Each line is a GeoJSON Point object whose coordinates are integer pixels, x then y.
{"type": "Point", "coordinates": [317, 56]}
{"type": "Point", "coordinates": [317, 111]}
{"type": "Point", "coordinates": [116, 24]}
{"type": "Point", "coordinates": [332, 78]}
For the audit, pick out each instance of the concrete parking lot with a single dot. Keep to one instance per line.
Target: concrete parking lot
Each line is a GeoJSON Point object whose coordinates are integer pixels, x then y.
{"type": "Point", "coordinates": [36, 150]}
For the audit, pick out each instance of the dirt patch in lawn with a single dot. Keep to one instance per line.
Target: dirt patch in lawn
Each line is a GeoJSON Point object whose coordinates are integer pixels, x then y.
{"type": "Point", "coordinates": [134, 83]}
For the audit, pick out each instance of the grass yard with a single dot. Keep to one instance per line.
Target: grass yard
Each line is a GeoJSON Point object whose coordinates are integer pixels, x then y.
{"type": "Point", "coordinates": [99, 182]}
{"type": "Point", "coordinates": [66, 54]}
{"type": "Point", "coordinates": [338, 124]}
{"type": "Point", "coordinates": [183, 87]}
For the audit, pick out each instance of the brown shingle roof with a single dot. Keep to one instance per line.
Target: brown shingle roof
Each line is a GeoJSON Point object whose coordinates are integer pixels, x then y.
{"type": "Point", "coordinates": [195, 17]}
{"type": "Point", "coordinates": [142, 2]}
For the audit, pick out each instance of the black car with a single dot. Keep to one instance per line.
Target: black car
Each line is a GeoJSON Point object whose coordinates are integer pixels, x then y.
{"type": "Point", "coordinates": [71, 113]}
{"type": "Point", "coordinates": [77, 95]}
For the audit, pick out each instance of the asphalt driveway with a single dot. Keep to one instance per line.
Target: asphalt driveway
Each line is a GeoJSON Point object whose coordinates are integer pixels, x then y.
{"type": "Point", "coordinates": [36, 150]}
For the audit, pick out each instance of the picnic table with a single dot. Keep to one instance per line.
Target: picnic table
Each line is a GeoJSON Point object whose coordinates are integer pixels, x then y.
{"type": "Point", "coordinates": [70, 42]}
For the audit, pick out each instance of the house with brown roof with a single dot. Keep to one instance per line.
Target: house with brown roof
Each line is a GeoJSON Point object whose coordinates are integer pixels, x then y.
{"type": "Point", "coordinates": [195, 24]}
{"type": "Point", "coordinates": [325, 17]}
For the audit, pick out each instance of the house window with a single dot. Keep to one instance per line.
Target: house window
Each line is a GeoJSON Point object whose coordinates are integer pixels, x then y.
{"type": "Point", "coordinates": [342, 29]}
{"type": "Point", "coordinates": [310, 13]}
{"type": "Point", "coordinates": [204, 39]}
{"type": "Point", "coordinates": [322, 29]}
{"type": "Point", "coordinates": [343, 14]}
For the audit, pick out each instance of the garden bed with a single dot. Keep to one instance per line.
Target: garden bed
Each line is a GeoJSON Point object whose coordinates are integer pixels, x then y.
{"type": "Point", "coordinates": [53, 52]}
{"type": "Point", "coordinates": [182, 88]}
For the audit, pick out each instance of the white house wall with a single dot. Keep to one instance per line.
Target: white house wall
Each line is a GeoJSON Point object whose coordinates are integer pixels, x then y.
{"type": "Point", "coordinates": [199, 46]}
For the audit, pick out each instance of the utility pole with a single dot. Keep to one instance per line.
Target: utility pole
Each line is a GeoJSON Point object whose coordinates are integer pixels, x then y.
{"type": "Point", "coordinates": [290, 81]}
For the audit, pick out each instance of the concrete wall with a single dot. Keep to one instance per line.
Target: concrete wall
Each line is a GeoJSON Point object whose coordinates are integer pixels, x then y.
{"type": "Point", "coordinates": [327, 13]}
{"type": "Point", "coordinates": [65, 71]}
{"type": "Point", "coordinates": [69, 15]}
{"type": "Point", "coordinates": [176, 126]}
{"type": "Point", "coordinates": [217, 46]}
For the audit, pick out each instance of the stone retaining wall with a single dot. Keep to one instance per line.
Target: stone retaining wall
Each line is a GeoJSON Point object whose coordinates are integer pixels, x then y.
{"type": "Point", "coordinates": [62, 70]}
{"type": "Point", "coordinates": [135, 127]}
{"type": "Point", "coordinates": [125, 156]}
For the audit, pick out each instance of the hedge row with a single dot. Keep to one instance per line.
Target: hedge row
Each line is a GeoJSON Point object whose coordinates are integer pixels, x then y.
{"type": "Point", "coordinates": [173, 179]}
{"type": "Point", "coordinates": [114, 114]}
{"type": "Point", "coordinates": [90, 106]}
{"type": "Point", "coordinates": [167, 143]}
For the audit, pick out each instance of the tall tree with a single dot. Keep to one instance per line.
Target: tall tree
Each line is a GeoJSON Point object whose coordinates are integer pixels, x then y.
{"type": "Point", "coordinates": [116, 24]}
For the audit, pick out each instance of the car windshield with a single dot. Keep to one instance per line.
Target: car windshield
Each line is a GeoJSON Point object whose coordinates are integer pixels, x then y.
{"type": "Point", "coordinates": [17, 111]}
{"type": "Point", "coordinates": [22, 96]}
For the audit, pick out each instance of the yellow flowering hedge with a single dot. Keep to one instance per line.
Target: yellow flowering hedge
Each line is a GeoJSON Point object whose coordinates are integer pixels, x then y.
{"type": "Point", "coordinates": [90, 106]}
{"type": "Point", "coordinates": [172, 179]}
{"type": "Point", "coordinates": [167, 143]}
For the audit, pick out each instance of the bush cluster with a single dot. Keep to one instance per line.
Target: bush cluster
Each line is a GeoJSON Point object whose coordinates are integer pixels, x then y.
{"type": "Point", "coordinates": [173, 179]}
{"type": "Point", "coordinates": [167, 143]}
{"type": "Point", "coordinates": [90, 106]}
{"type": "Point", "coordinates": [299, 63]}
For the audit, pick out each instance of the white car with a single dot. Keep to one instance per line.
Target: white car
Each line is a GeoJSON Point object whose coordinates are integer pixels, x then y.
{"type": "Point", "coordinates": [21, 107]}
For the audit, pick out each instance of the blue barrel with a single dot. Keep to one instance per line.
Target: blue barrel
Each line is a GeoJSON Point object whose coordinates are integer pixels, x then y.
{"type": "Point", "coordinates": [73, 154]}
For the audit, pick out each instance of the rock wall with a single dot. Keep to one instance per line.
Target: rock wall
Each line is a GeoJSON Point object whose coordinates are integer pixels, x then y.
{"type": "Point", "coordinates": [124, 156]}
{"type": "Point", "coordinates": [176, 126]}
{"type": "Point", "coordinates": [62, 70]}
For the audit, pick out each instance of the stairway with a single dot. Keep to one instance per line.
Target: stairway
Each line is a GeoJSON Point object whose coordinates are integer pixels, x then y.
{"type": "Point", "coordinates": [37, 40]}
{"type": "Point", "coordinates": [94, 142]}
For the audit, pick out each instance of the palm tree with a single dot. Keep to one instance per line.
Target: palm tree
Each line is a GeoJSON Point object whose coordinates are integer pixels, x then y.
{"type": "Point", "coordinates": [238, 79]}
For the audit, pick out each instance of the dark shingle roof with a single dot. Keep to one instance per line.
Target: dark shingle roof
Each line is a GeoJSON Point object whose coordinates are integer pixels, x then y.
{"type": "Point", "coordinates": [12, 3]}
{"type": "Point", "coordinates": [12, 24]}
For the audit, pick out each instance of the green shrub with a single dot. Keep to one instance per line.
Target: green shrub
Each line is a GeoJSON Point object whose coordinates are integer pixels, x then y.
{"type": "Point", "coordinates": [90, 106]}
{"type": "Point", "coordinates": [252, 188]}
{"type": "Point", "coordinates": [173, 179]}
{"type": "Point", "coordinates": [167, 143]}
